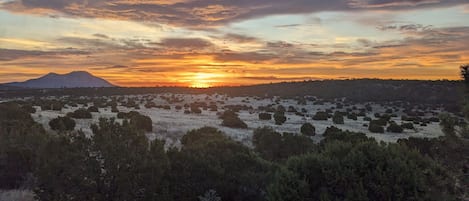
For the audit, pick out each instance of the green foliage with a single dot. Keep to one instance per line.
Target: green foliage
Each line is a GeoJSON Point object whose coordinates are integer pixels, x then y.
{"type": "Point", "coordinates": [265, 116]}
{"type": "Point", "coordinates": [138, 120]}
{"type": "Point", "coordinates": [209, 160]}
{"type": "Point", "coordinates": [338, 118]}
{"type": "Point", "coordinates": [80, 114]}
{"type": "Point", "coordinates": [142, 122]}
{"type": "Point", "coordinates": [195, 110]}
{"type": "Point", "coordinates": [335, 134]}
{"type": "Point", "coordinates": [274, 146]}
{"type": "Point", "coordinates": [352, 116]}
{"type": "Point", "coordinates": [321, 116]}
{"type": "Point", "coordinates": [361, 171]}
{"type": "Point", "coordinates": [394, 128]}
{"type": "Point", "coordinates": [448, 124]}
{"type": "Point", "coordinates": [20, 141]}
{"type": "Point", "coordinates": [51, 105]}
{"type": "Point", "coordinates": [449, 151]}
{"type": "Point", "coordinates": [117, 163]}
{"type": "Point", "coordinates": [93, 109]}
{"type": "Point", "coordinates": [308, 129]}
{"type": "Point", "coordinates": [375, 127]}
{"type": "Point", "coordinates": [114, 109]}
{"type": "Point", "coordinates": [279, 117]}
{"type": "Point", "coordinates": [407, 125]}
{"type": "Point", "coordinates": [62, 124]}
{"type": "Point", "coordinates": [28, 108]}
{"type": "Point", "coordinates": [231, 119]}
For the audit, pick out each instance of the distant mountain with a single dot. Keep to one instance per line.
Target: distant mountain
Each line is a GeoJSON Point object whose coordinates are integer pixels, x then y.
{"type": "Point", "coordinates": [75, 79]}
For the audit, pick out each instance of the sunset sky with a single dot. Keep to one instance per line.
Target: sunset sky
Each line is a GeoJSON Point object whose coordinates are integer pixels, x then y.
{"type": "Point", "coordinates": [202, 43]}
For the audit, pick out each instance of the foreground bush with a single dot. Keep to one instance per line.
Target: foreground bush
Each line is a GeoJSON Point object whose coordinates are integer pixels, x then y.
{"type": "Point", "coordinates": [62, 124]}
{"type": "Point", "coordinates": [209, 161]}
{"type": "Point", "coordinates": [362, 171]}
{"type": "Point", "coordinates": [275, 146]}
{"type": "Point", "coordinates": [117, 163]}
{"type": "Point", "coordinates": [20, 141]}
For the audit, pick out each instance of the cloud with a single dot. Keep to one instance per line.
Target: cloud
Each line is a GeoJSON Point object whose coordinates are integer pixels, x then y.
{"type": "Point", "coordinates": [276, 78]}
{"type": "Point", "coordinates": [13, 54]}
{"type": "Point", "coordinates": [288, 25]}
{"type": "Point", "coordinates": [100, 35]}
{"type": "Point", "coordinates": [184, 43]}
{"type": "Point", "coordinates": [405, 28]}
{"type": "Point", "coordinates": [238, 38]}
{"type": "Point", "coordinates": [392, 3]}
{"type": "Point", "coordinates": [113, 67]}
{"type": "Point", "coordinates": [207, 13]}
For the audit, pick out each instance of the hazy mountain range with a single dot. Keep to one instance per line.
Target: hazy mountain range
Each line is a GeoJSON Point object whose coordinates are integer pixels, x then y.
{"type": "Point", "coordinates": [75, 79]}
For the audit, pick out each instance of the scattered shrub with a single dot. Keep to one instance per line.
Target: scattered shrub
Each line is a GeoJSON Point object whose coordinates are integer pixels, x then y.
{"type": "Point", "coordinates": [407, 125]}
{"type": "Point", "coordinates": [308, 129]}
{"type": "Point", "coordinates": [93, 109]}
{"type": "Point", "coordinates": [323, 116]}
{"type": "Point", "coordinates": [80, 114]}
{"type": "Point", "coordinates": [231, 119]}
{"type": "Point", "coordinates": [62, 124]}
{"type": "Point", "coordinates": [279, 118]}
{"type": "Point", "coordinates": [394, 128]}
{"type": "Point", "coordinates": [265, 116]}
{"type": "Point", "coordinates": [375, 128]}
{"type": "Point", "coordinates": [338, 118]}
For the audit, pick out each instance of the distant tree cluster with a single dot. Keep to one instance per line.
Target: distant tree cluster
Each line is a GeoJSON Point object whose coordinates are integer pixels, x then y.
{"type": "Point", "coordinates": [62, 124]}
{"type": "Point", "coordinates": [137, 120]}
{"type": "Point", "coordinates": [232, 120]}
{"type": "Point", "coordinates": [80, 114]}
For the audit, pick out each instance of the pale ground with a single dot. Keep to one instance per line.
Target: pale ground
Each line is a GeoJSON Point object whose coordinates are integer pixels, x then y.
{"type": "Point", "coordinates": [16, 195]}
{"type": "Point", "coordinates": [170, 125]}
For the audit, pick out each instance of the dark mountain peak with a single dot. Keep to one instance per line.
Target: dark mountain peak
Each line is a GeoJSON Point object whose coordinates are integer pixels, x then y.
{"type": "Point", "coordinates": [79, 73]}
{"type": "Point", "coordinates": [74, 79]}
{"type": "Point", "coordinates": [51, 74]}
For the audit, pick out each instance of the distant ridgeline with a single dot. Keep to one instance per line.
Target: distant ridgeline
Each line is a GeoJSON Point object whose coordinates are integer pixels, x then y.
{"type": "Point", "coordinates": [359, 90]}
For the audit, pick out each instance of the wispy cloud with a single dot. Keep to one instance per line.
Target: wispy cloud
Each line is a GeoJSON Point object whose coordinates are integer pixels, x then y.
{"type": "Point", "coordinates": [206, 13]}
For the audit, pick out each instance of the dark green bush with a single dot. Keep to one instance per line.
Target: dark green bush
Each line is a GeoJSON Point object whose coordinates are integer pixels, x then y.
{"type": "Point", "coordinates": [62, 124]}
{"type": "Point", "coordinates": [279, 117]}
{"type": "Point", "coordinates": [308, 129]}
{"type": "Point", "coordinates": [231, 119]}
{"type": "Point", "coordinates": [394, 128]}
{"type": "Point", "coordinates": [265, 116]}
{"type": "Point", "coordinates": [80, 114]}
{"type": "Point", "coordinates": [321, 116]}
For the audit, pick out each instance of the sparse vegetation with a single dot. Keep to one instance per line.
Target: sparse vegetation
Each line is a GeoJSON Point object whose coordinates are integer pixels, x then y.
{"type": "Point", "coordinates": [265, 116]}
{"type": "Point", "coordinates": [279, 117]}
{"type": "Point", "coordinates": [80, 114]}
{"type": "Point", "coordinates": [117, 161]}
{"type": "Point", "coordinates": [231, 119]}
{"type": "Point", "coordinates": [62, 124]}
{"type": "Point", "coordinates": [308, 129]}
